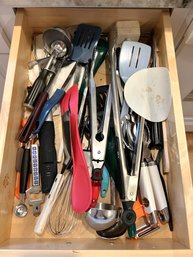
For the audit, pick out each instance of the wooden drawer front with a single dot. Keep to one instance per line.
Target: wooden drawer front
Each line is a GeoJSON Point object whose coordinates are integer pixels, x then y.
{"type": "Point", "coordinates": [18, 233]}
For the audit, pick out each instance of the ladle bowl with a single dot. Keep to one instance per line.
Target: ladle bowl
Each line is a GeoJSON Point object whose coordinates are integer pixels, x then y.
{"type": "Point", "coordinates": [103, 216]}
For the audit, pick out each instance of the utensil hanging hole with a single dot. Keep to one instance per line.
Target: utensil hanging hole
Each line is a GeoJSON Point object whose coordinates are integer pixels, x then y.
{"type": "Point", "coordinates": [99, 136]}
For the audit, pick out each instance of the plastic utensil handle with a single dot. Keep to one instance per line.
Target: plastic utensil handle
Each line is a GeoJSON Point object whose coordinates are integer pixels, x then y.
{"type": "Point", "coordinates": [25, 169]}
{"type": "Point", "coordinates": [104, 182]}
{"type": "Point", "coordinates": [19, 157]}
{"type": "Point", "coordinates": [30, 124]}
{"type": "Point", "coordinates": [96, 185]}
{"type": "Point", "coordinates": [38, 86]}
{"type": "Point", "coordinates": [156, 135]}
{"type": "Point", "coordinates": [48, 107]}
{"type": "Point", "coordinates": [42, 220]}
{"type": "Point", "coordinates": [159, 194]}
{"type": "Point", "coordinates": [146, 189]}
{"type": "Point", "coordinates": [81, 185]}
{"type": "Point", "coordinates": [48, 158]}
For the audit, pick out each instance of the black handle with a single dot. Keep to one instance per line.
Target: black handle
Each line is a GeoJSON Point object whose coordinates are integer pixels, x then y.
{"type": "Point", "coordinates": [19, 158]}
{"type": "Point", "coordinates": [25, 169]}
{"type": "Point", "coordinates": [156, 135]}
{"type": "Point", "coordinates": [38, 86]}
{"type": "Point", "coordinates": [48, 157]}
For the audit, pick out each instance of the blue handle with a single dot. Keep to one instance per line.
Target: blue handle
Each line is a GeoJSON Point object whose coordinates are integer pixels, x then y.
{"type": "Point", "coordinates": [105, 182]}
{"type": "Point", "coordinates": [57, 96]}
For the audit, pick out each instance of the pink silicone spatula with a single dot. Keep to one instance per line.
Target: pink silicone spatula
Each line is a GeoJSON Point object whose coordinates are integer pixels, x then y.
{"type": "Point", "coordinates": [81, 184]}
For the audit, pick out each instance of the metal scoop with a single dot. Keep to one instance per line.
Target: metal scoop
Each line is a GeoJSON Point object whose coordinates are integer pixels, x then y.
{"type": "Point", "coordinates": [57, 43]}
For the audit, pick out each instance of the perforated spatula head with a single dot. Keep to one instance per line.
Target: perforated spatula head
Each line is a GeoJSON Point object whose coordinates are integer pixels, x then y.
{"type": "Point", "coordinates": [148, 93]}
{"type": "Point", "coordinates": [134, 56]}
{"type": "Point", "coordinates": [84, 42]}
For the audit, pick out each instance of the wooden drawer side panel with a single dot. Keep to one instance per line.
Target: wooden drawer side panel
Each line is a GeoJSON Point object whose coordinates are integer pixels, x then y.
{"type": "Point", "coordinates": [10, 119]}
{"type": "Point", "coordinates": [179, 179]}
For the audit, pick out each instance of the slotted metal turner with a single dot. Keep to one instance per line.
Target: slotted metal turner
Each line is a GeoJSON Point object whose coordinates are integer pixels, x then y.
{"type": "Point", "coordinates": [134, 56]}
{"type": "Point", "coordinates": [84, 42]}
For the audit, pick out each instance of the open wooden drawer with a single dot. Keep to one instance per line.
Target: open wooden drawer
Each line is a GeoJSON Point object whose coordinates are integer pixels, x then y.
{"type": "Point", "coordinates": [16, 235]}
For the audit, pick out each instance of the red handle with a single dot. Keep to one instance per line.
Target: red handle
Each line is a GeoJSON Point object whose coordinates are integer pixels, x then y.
{"type": "Point", "coordinates": [96, 187]}
{"type": "Point", "coordinates": [31, 122]}
{"type": "Point", "coordinates": [81, 184]}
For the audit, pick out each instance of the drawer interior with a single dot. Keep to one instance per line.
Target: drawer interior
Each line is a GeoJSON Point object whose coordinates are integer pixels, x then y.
{"type": "Point", "coordinates": [18, 233]}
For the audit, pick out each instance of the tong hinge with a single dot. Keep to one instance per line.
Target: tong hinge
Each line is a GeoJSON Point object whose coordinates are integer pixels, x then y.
{"type": "Point", "coordinates": [97, 174]}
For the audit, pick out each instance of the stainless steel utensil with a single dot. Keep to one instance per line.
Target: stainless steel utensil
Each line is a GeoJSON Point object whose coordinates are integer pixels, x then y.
{"type": "Point", "coordinates": [134, 56]}
{"type": "Point", "coordinates": [58, 45]}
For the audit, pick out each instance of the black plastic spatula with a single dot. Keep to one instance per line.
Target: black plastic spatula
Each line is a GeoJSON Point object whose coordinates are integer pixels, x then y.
{"type": "Point", "coordinates": [84, 42]}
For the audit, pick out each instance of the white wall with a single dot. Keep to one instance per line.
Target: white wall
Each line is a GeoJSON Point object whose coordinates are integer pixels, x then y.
{"type": "Point", "coordinates": [7, 19]}
{"type": "Point", "coordinates": [181, 20]}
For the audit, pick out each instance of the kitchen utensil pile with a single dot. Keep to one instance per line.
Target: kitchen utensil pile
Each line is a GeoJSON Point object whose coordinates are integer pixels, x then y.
{"type": "Point", "coordinates": [105, 142]}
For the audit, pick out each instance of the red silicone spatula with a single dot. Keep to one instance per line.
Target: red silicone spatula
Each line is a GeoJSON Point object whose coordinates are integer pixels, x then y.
{"type": "Point", "coordinates": [81, 184]}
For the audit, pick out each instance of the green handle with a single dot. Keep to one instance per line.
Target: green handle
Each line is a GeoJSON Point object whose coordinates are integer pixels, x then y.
{"type": "Point", "coordinates": [132, 231]}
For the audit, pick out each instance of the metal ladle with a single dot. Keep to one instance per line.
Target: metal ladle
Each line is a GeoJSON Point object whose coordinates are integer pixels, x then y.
{"type": "Point", "coordinates": [117, 230]}
{"type": "Point", "coordinates": [104, 215]}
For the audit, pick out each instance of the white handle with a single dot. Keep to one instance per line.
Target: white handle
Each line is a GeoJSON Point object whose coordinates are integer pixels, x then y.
{"type": "Point", "coordinates": [42, 219]}
{"type": "Point", "coordinates": [146, 189]}
{"type": "Point", "coordinates": [158, 190]}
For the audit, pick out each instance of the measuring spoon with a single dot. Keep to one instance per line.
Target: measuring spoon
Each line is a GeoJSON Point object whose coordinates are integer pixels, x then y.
{"type": "Point", "coordinates": [21, 209]}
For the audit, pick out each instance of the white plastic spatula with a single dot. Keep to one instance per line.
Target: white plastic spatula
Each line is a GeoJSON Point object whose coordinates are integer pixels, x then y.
{"type": "Point", "coordinates": [148, 93]}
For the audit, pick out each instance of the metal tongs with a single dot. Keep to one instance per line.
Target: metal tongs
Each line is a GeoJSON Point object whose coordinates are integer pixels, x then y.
{"type": "Point", "coordinates": [98, 135]}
